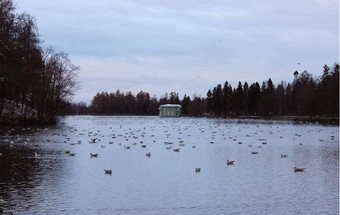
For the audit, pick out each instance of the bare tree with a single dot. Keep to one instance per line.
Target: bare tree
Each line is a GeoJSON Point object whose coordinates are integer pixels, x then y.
{"type": "Point", "coordinates": [59, 80]}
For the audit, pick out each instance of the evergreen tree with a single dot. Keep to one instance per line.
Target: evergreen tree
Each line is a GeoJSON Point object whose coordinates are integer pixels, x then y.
{"type": "Point", "coordinates": [209, 101]}
{"type": "Point", "coordinates": [185, 104]}
{"type": "Point", "coordinates": [239, 99]}
{"type": "Point", "coordinates": [227, 96]}
{"type": "Point", "coordinates": [245, 98]}
{"type": "Point", "coordinates": [218, 99]}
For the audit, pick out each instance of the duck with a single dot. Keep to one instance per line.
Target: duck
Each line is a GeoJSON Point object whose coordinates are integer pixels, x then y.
{"type": "Point", "coordinates": [254, 153]}
{"type": "Point", "coordinates": [72, 154]}
{"type": "Point", "coordinates": [177, 150]}
{"type": "Point", "coordinates": [93, 155]}
{"type": "Point", "coordinates": [148, 154]}
{"type": "Point", "coordinates": [296, 169]}
{"type": "Point", "coordinates": [198, 170]}
{"type": "Point", "coordinates": [108, 171]}
{"type": "Point", "coordinates": [67, 152]}
{"type": "Point", "coordinates": [230, 162]}
{"type": "Point", "coordinates": [283, 156]}
{"type": "Point", "coordinates": [143, 146]}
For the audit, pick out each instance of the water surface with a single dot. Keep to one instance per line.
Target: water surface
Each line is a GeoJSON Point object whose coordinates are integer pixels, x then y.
{"type": "Point", "coordinates": [166, 182]}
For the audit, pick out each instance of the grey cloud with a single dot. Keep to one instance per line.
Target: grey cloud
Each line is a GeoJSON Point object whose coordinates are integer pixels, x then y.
{"type": "Point", "coordinates": [218, 39]}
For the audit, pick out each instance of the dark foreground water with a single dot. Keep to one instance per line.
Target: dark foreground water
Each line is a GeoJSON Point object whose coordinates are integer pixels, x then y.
{"type": "Point", "coordinates": [53, 182]}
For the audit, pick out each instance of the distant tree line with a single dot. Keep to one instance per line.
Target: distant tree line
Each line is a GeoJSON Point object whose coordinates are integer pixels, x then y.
{"type": "Point", "coordinates": [141, 104]}
{"type": "Point", "coordinates": [305, 96]}
{"type": "Point", "coordinates": [31, 75]}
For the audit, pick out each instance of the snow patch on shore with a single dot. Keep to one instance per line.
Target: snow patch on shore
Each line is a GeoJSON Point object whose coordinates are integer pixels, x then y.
{"type": "Point", "coordinates": [18, 111]}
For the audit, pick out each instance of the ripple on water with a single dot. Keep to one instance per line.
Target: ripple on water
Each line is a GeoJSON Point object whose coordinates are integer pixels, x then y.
{"type": "Point", "coordinates": [166, 182]}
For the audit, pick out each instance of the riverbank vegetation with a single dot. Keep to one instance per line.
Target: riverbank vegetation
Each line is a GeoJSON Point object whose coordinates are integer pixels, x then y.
{"type": "Point", "coordinates": [125, 103]}
{"type": "Point", "coordinates": [306, 96]}
{"type": "Point", "coordinates": [32, 76]}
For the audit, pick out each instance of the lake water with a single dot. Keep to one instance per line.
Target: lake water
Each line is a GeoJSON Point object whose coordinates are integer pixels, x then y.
{"type": "Point", "coordinates": [53, 182]}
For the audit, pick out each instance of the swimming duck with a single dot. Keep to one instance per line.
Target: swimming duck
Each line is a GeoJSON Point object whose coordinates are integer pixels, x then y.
{"type": "Point", "coordinates": [93, 155]}
{"type": "Point", "coordinates": [230, 162]}
{"type": "Point", "coordinates": [108, 171]}
{"type": "Point", "coordinates": [296, 169]}
{"type": "Point", "coordinates": [198, 170]}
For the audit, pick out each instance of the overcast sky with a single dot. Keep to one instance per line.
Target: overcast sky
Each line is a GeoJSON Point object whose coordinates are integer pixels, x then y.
{"type": "Point", "coordinates": [187, 46]}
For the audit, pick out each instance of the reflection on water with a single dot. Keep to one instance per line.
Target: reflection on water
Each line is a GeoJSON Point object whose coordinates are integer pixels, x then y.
{"type": "Point", "coordinates": [53, 182]}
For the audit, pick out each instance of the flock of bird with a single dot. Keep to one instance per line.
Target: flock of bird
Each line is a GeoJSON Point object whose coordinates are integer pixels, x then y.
{"type": "Point", "coordinates": [171, 135]}
{"type": "Point", "coordinates": [95, 139]}
{"type": "Point", "coordinates": [129, 137]}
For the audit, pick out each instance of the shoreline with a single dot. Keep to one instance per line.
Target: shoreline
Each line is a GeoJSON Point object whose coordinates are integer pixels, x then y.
{"type": "Point", "coordinates": [310, 119]}
{"type": "Point", "coordinates": [6, 121]}
{"type": "Point", "coordinates": [17, 121]}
